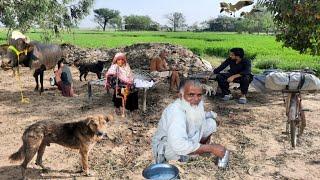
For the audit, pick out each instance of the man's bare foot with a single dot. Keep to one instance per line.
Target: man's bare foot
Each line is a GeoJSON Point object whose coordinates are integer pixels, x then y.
{"type": "Point", "coordinates": [117, 111]}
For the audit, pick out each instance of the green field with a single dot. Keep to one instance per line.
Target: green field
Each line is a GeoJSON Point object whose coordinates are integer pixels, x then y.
{"type": "Point", "coordinates": [262, 49]}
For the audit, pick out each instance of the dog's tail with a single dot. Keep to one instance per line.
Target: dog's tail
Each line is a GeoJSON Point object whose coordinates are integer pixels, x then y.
{"type": "Point", "coordinates": [19, 155]}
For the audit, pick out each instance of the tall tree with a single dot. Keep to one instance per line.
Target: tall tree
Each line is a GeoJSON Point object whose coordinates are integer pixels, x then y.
{"type": "Point", "coordinates": [116, 22]}
{"type": "Point", "coordinates": [176, 20]}
{"type": "Point", "coordinates": [297, 22]}
{"type": "Point", "coordinates": [46, 14]}
{"type": "Point", "coordinates": [222, 23]}
{"type": "Point", "coordinates": [135, 22]}
{"type": "Point", "coordinates": [104, 16]}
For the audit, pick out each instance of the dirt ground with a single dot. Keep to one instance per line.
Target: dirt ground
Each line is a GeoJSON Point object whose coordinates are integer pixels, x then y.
{"type": "Point", "coordinates": [253, 133]}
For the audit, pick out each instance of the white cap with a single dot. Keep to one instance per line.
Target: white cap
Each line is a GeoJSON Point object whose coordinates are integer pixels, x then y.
{"type": "Point", "coordinates": [17, 35]}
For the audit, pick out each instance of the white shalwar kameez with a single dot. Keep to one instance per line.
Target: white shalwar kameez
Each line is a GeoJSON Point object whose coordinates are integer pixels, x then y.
{"type": "Point", "coordinates": [177, 135]}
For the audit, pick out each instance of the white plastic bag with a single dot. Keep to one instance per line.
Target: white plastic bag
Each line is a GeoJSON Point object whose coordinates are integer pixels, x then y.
{"type": "Point", "coordinates": [311, 83]}
{"type": "Point", "coordinates": [277, 81]}
{"type": "Point", "coordinates": [291, 80]}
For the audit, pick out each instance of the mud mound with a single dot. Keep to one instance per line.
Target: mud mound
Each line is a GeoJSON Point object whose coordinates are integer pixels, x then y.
{"type": "Point", "coordinates": [139, 56]}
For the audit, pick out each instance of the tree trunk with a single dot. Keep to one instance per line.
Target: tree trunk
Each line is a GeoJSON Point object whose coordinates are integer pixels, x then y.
{"type": "Point", "coordinates": [104, 25]}
{"type": "Point", "coordinates": [8, 34]}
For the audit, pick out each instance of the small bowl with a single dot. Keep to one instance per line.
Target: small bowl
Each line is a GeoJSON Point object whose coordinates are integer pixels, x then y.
{"type": "Point", "coordinates": [161, 172]}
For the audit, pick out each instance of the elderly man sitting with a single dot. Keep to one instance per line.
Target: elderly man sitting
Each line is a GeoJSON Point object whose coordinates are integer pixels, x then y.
{"type": "Point", "coordinates": [185, 128]}
{"type": "Point", "coordinates": [159, 67]}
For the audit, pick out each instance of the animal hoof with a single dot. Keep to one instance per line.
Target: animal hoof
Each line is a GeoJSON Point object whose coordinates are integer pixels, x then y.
{"type": "Point", "coordinates": [36, 89]}
{"type": "Point", "coordinates": [88, 174]}
{"type": "Point", "coordinates": [79, 171]}
{"type": "Point", "coordinates": [46, 170]}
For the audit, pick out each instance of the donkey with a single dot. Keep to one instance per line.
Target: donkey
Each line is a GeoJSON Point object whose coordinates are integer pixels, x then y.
{"type": "Point", "coordinates": [34, 55]}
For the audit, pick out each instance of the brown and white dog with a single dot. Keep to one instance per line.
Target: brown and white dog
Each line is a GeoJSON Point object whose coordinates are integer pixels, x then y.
{"type": "Point", "coordinates": [81, 135]}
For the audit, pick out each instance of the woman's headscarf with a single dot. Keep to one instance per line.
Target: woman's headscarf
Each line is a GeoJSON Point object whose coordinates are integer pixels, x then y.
{"type": "Point", "coordinates": [124, 72]}
{"type": "Point", "coordinates": [119, 56]}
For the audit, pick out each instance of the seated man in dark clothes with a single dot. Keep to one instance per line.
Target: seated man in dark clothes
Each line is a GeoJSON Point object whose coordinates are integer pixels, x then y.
{"type": "Point", "coordinates": [64, 79]}
{"type": "Point", "coordinates": [239, 72]}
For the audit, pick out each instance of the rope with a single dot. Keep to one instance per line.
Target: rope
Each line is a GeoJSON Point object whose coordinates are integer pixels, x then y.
{"type": "Point", "coordinates": [23, 98]}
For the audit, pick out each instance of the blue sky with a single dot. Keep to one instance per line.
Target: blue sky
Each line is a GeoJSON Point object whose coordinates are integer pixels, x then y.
{"type": "Point", "coordinates": [193, 10]}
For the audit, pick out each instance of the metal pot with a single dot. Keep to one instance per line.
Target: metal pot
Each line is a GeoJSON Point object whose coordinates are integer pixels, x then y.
{"type": "Point", "coordinates": [161, 172]}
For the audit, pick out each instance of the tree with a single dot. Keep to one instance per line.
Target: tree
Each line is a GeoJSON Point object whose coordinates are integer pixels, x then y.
{"type": "Point", "coordinates": [267, 22]}
{"type": "Point", "coordinates": [194, 27]}
{"type": "Point", "coordinates": [48, 15]}
{"type": "Point", "coordinates": [176, 20]}
{"type": "Point", "coordinates": [297, 22]}
{"type": "Point", "coordinates": [134, 22]}
{"type": "Point", "coordinates": [104, 16]}
{"type": "Point", "coordinates": [222, 23]}
{"type": "Point", "coordinates": [116, 22]}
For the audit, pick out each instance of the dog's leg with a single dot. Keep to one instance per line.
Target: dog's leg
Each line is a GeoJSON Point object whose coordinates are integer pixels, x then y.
{"type": "Point", "coordinates": [81, 76]}
{"type": "Point", "coordinates": [205, 88]}
{"type": "Point", "coordinates": [84, 159]}
{"type": "Point", "coordinates": [29, 153]}
{"type": "Point", "coordinates": [85, 76]}
{"type": "Point", "coordinates": [41, 150]}
{"type": "Point", "coordinates": [99, 75]}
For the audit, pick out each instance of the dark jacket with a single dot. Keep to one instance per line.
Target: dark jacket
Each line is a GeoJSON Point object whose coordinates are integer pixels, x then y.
{"type": "Point", "coordinates": [243, 68]}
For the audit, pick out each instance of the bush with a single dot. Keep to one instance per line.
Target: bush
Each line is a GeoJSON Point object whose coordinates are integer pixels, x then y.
{"type": "Point", "coordinates": [196, 51]}
{"type": "Point", "coordinates": [220, 52]}
{"type": "Point", "coordinates": [267, 64]}
{"type": "Point", "coordinates": [250, 56]}
{"type": "Point", "coordinates": [256, 70]}
{"type": "Point", "coordinates": [224, 52]}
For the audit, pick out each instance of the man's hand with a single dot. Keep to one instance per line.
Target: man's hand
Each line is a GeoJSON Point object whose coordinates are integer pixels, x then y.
{"type": "Point", "coordinates": [230, 79]}
{"type": "Point", "coordinates": [215, 149]}
{"type": "Point", "coordinates": [218, 150]}
{"type": "Point", "coordinates": [233, 77]}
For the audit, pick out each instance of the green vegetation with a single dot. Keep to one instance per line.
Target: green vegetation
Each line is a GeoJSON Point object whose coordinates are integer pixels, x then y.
{"type": "Point", "coordinates": [45, 14]}
{"type": "Point", "coordinates": [297, 23]}
{"type": "Point", "coordinates": [262, 49]}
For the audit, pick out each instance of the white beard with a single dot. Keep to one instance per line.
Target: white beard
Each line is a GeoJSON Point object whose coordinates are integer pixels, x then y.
{"type": "Point", "coordinates": [195, 113]}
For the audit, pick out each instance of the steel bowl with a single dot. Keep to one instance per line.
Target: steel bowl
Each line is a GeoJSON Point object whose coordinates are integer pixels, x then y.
{"type": "Point", "coordinates": [161, 172]}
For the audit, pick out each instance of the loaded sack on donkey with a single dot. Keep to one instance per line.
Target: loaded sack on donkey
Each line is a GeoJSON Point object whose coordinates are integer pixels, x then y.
{"type": "Point", "coordinates": [275, 80]}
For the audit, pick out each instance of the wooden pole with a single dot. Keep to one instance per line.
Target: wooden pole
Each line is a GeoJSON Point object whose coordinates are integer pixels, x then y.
{"type": "Point", "coordinates": [144, 104]}
{"type": "Point", "coordinates": [89, 92]}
